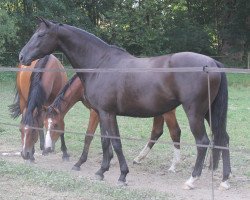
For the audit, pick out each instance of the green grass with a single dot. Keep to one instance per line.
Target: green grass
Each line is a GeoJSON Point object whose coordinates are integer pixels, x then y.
{"type": "Point", "coordinates": [238, 80]}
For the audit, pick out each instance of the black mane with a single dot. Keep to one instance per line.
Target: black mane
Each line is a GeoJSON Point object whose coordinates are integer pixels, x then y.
{"type": "Point", "coordinates": [60, 97]}
{"type": "Point", "coordinates": [37, 95]}
{"type": "Point", "coordinates": [91, 37]}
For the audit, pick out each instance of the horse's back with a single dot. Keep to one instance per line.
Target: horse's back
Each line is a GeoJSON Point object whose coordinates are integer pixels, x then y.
{"type": "Point", "coordinates": [23, 83]}
{"type": "Point", "coordinates": [191, 59]}
{"type": "Point", "coordinates": [156, 92]}
{"type": "Point", "coordinates": [54, 79]}
{"type": "Point", "coordinates": [57, 69]}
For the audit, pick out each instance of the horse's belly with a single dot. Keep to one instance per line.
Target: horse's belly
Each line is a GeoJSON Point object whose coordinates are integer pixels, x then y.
{"type": "Point", "coordinates": [147, 109]}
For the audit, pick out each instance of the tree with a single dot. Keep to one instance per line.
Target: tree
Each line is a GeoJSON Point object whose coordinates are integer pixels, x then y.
{"type": "Point", "coordinates": [24, 13]}
{"type": "Point", "coordinates": [142, 27]}
{"type": "Point", "coordinates": [8, 34]}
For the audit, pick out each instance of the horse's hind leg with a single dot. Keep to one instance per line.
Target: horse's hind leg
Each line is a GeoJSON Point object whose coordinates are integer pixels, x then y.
{"type": "Point", "coordinates": [93, 123]}
{"type": "Point", "coordinates": [197, 126]}
{"type": "Point", "coordinates": [156, 132]}
{"type": "Point", "coordinates": [175, 133]}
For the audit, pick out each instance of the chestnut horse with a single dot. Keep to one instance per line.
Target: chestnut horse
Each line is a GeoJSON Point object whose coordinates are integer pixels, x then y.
{"type": "Point", "coordinates": [145, 93]}
{"type": "Point", "coordinates": [34, 91]}
{"type": "Point", "coordinates": [73, 92]}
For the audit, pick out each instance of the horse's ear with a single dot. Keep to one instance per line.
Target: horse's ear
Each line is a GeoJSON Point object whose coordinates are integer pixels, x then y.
{"type": "Point", "coordinates": [45, 21]}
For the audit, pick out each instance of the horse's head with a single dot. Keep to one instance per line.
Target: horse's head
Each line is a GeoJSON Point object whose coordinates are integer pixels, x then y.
{"type": "Point", "coordinates": [29, 137]}
{"type": "Point", "coordinates": [43, 42]}
{"type": "Point", "coordinates": [54, 125]}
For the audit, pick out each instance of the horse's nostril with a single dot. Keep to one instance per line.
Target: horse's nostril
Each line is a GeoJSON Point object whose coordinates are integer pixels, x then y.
{"type": "Point", "coordinates": [25, 155]}
{"type": "Point", "coordinates": [20, 57]}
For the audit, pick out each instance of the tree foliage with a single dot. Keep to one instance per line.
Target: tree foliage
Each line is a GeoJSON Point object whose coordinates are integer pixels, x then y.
{"type": "Point", "coordinates": [8, 33]}
{"type": "Point", "coordinates": [142, 27]}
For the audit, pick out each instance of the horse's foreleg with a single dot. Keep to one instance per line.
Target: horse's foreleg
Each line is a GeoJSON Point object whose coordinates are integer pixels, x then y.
{"type": "Point", "coordinates": [41, 138]}
{"type": "Point", "coordinates": [65, 155]}
{"type": "Point", "coordinates": [93, 123]}
{"type": "Point", "coordinates": [156, 132]}
{"type": "Point", "coordinates": [32, 158]}
{"type": "Point", "coordinates": [109, 128]}
{"type": "Point", "coordinates": [175, 133]}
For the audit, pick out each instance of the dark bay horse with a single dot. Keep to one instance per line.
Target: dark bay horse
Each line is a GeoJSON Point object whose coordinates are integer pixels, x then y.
{"type": "Point", "coordinates": [73, 92]}
{"type": "Point", "coordinates": [144, 94]}
{"type": "Point", "coordinates": [34, 91]}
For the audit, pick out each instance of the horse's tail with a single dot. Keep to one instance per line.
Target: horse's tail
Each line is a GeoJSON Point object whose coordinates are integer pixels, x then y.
{"type": "Point", "coordinates": [219, 118]}
{"type": "Point", "coordinates": [14, 108]}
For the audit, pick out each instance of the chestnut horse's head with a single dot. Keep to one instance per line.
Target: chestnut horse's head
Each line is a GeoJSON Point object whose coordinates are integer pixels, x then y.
{"type": "Point", "coordinates": [29, 135]}
{"type": "Point", "coordinates": [54, 126]}
{"type": "Point", "coordinates": [43, 42]}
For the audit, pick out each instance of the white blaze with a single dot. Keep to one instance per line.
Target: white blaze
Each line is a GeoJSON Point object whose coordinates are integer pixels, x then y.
{"type": "Point", "coordinates": [25, 136]}
{"type": "Point", "coordinates": [48, 140]}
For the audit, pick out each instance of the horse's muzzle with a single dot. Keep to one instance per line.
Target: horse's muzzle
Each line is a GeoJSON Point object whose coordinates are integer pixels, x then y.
{"type": "Point", "coordinates": [47, 151]}
{"type": "Point", "coordinates": [24, 61]}
{"type": "Point", "coordinates": [25, 155]}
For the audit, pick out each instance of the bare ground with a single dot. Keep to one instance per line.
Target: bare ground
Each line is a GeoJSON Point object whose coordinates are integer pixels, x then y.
{"type": "Point", "coordinates": [138, 178]}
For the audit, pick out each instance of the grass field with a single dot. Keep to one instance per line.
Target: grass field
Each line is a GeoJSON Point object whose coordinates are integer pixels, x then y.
{"type": "Point", "coordinates": [138, 130]}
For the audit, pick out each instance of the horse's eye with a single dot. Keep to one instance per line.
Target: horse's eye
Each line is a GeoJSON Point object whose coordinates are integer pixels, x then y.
{"type": "Point", "coordinates": [55, 126]}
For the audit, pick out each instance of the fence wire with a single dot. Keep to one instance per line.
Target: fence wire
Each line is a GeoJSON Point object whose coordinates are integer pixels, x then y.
{"type": "Point", "coordinates": [132, 70]}
{"type": "Point", "coordinates": [204, 69]}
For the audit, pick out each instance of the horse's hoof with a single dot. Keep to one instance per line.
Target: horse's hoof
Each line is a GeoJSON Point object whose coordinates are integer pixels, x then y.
{"type": "Point", "coordinates": [65, 158]}
{"type": "Point", "coordinates": [75, 168]}
{"type": "Point", "coordinates": [136, 162]}
{"type": "Point", "coordinates": [172, 170]}
{"type": "Point", "coordinates": [122, 183]}
{"type": "Point", "coordinates": [224, 185]}
{"type": "Point", "coordinates": [45, 153]}
{"type": "Point", "coordinates": [99, 177]}
{"type": "Point", "coordinates": [188, 186]}
{"type": "Point", "coordinates": [30, 161]}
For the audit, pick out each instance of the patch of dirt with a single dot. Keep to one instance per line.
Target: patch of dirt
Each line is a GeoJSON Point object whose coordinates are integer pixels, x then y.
{"type": "Point", "coordinates": [162, 181]}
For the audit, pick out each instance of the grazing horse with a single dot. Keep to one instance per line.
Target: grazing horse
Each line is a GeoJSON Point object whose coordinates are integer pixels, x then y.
{"type": "Point", "coordinates": [34, 91]}
{"type": "Point", "coordinates": [147, 93]}
{"type": "Point", "coordinates": [73, 92]}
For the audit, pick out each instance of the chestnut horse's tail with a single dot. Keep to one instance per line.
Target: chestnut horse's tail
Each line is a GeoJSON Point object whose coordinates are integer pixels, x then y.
{"type": "Point", "coordinates": [219, 109]}
{"type": "Point", "coordinates": [14, 108]}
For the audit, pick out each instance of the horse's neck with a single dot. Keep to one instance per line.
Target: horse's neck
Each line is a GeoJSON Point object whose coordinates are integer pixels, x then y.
{"type": "Point", "coordinates": [70, 98]}
{"type": "Point", "coordinates": [79, 48]}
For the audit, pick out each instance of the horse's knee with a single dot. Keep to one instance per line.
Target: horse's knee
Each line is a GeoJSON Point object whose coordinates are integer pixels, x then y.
{"type": "Point", "coordinates": [105, 143]}
{"type": "Point", "coordinates": [204, 141]}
